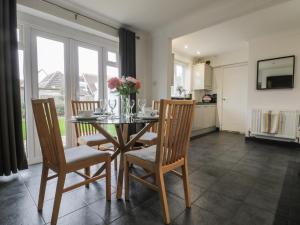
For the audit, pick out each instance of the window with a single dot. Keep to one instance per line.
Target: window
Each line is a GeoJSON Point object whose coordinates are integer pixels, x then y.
{"type": "Point", "coordinates": [112, 57]}
{"type": "Point", "coordinates": [112, 70]}
{"type": "Point", "coordinates": [22, 94]}
{"type": "Point", "coordinates": [51, 76]}
{"type": "Point", "coordinates": [88, 74]}
{"type": "Point", "coordinates": [180, 75]}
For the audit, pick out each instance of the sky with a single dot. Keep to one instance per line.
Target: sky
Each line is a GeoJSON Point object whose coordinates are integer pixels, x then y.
{"type": "Point", "coordinates": [51, 57]}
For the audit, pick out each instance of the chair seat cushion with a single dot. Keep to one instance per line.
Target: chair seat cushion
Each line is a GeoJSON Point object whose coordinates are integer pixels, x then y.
{"type": "Point", "coordinates": [147, 154]}
{"type": "Point", "coordinates": [148, 136]}
{"type": "Point", "coordinates": [82, 153]}
{"type": "Point", "coordinates": [92, 140]}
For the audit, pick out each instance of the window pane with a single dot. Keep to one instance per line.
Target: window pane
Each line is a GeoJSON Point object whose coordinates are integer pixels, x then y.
{"type": "Point", "coordinates": [18, 34]}
{"type": "Point", "coordinates": [112, 56]}
{"type": "Point", "coordinates": [112, 71]}
{"type": "Point", "coordinates": [51, 77]}
{"type": "Point", "coordinates": [22, 85]}
{"type": "Point", "coordinates": [179, 76]}
{"type": "Point", "coordinates": [88, 74]}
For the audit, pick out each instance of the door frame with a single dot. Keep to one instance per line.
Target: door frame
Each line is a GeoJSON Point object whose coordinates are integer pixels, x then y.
{"type": "Point", "coordinates": [36, 152]}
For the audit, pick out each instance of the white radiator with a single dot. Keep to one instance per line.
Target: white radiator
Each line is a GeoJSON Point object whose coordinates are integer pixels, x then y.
{"type": "Point", "coordinates": [288, 128]}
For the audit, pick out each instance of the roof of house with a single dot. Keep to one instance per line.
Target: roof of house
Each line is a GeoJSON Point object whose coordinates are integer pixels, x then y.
{"type": "Point", "coordinates": [56, 81]}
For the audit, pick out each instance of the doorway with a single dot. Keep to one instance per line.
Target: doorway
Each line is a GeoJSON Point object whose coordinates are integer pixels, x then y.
{"type": "Point", "coordinates": [234, 98]}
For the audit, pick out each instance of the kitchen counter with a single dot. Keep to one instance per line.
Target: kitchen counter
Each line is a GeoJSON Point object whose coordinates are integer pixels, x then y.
{"type": "Point", "coordinates": [206, 103]}
{"type": "Point", "coordinates": [204, 118]}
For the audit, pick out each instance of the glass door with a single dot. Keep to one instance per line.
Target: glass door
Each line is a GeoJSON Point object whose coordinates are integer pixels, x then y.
{"type": "Point", "coordinates": [111, 69]}
{"type": "Point", "coordinates": [88, 73]}
{"type": "Point", "coordinates": [49, 79]}
{"type": "Point", "coordinates": [22, 94]}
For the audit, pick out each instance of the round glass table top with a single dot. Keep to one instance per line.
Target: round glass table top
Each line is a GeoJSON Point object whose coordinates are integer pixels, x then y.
{"type": "Point", "coordinates": [115, 120]}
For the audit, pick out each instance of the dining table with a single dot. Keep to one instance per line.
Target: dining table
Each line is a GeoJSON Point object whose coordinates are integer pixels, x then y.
{"type": "Point", "coordinates": [121, 141]}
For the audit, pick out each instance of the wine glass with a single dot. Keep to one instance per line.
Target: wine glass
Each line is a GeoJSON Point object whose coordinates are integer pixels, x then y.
{"type": "Point", "coordinates": [142, 105]}
{"type": "Point", "coordinates": [112, 104]}
{"type": "Point", "coordinates": [103, 105]}
{"type": "Point", "coordinates": [131, 104]}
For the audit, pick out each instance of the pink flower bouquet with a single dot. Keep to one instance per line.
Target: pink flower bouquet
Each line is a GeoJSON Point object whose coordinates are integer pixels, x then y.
{"type": "Point", "coordinates": [124, 85]}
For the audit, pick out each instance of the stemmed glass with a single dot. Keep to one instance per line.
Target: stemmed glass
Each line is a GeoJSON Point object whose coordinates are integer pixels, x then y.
{"type": "Point", "coordinates": [132, 104]}
{"type": "Point", "coordinates": [112, 104]}
{"type": "Point", "coordinates": [103, 105]}
{"type": "Point", "coordinates": [142, 105]}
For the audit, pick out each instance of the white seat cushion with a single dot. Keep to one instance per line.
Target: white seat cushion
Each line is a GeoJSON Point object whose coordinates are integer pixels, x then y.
{"type": "Point", "coordinates": [91, 140]}
{"type": "Point", "coordinates": [148, 154]}
{"type": "Point", "coordinates": [148, 136]}
{"type": "Point", "coordinates": [81, 153]}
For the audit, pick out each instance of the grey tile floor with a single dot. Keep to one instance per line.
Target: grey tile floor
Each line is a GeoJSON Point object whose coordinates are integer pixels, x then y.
{"type": "Point", "coordinates": [233, 182]}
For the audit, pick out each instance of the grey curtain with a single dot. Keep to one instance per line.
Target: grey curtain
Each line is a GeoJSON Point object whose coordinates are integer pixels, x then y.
{"type": "Point", "coordinates": [12, 154]}
{"type": "Point", "coordinates": [128, 60]}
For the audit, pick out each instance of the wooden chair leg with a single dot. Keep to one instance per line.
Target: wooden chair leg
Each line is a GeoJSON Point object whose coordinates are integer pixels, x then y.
{"type": "Point", "coordinates": [87, 171]}
{"type": "Point", "coordinates": [58, 195]}
{"type": "Point", "coordinates": [108, 179]}
{"type": "Point", "coordinates": [45, 171]}
{"type": "Point", "coordinates": [163, 196]}
{"type": "Point", "coordinates": [186, 185]}
{"type": "Point", "coordinates": [126, 175]}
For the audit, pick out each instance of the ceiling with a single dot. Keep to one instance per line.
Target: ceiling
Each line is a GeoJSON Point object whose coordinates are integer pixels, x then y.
{"type": "Point", "coordinates": [235, 34]}
{"type": "Point", "coordinates": [149, 15]}
{"type": "Point", "coordinates": [143, 14]}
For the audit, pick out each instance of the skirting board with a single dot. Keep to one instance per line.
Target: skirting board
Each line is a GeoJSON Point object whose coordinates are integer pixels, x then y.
{"type": "Point", "coordinates": [199, 133]}
{"type": "Point", "coordinates": [273, 142]}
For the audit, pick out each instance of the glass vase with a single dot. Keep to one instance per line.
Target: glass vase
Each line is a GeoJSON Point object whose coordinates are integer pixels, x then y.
{"type": "Point", "coordinates": [125, 106]}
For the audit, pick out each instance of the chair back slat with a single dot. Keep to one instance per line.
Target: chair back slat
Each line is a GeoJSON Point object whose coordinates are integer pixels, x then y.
{"type": "Point", "coordinates": [155, 106]}
{"type": "Point", "coordinates": [82, 129]}
{"type": "Point", "coordinates": [48, 132]}
{"type": "Point", "coordinates": [174, 130]}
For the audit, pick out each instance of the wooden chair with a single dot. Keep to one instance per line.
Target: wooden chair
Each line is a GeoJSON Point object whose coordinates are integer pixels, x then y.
{"type": "Point", "coordinates": [63, 161]}
{"type": "Point", "coordinates": [174, 131]}
{"type": "Point", "coordinates": [150, 137]}
{"type": "Point", "coordinates": [86, 134]}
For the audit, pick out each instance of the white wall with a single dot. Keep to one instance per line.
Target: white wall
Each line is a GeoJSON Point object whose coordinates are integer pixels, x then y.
{"type": "Point", "coordinates": [270, 47]}
{"type": "Point", "coordinates": [228, 58]}
{"type": "Point", "coordinates": [200, 19]}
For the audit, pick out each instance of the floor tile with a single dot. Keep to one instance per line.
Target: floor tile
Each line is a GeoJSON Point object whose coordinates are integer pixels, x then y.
{"type": "Point", "coordinates": [68, 204]}
{"type": "Point", "coordinates": [83, 216]}
{"type": "Point", "coordinates": [248, 215]}
{"type": "Point", "coordinates": [196, 216]}
{"type": "Point", "coordinates": [140, 216]}
{"type": "Point", "coordinates": [219, 204]}
{"type": "Point", "coordinates": [19, 209]}
{"type": "Point", "coordinates": [177, 189]}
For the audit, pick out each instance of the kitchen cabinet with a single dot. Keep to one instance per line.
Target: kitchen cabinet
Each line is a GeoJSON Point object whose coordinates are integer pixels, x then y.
{"type": "Point", "coordinates": [202, 77]}
{"type": "Point", "coordinates": [204, 117]}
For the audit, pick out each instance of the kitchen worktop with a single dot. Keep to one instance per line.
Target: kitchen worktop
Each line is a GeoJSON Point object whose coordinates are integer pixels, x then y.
{"type": "Point", "coordinates": [206, 103]}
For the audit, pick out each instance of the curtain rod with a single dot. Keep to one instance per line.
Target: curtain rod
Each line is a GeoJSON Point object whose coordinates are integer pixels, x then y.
{"type": "Point", "coordinates": [76, 14]}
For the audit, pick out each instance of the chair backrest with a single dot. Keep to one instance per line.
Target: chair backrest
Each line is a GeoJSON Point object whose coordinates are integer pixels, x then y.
{"type": "Point", "coordinates": [48, 131]}
{"type": "Point", "coordinates": [155, 106]}
{"type": "Point", "coordinates": [174, 130]}
{"type": "Point", "coordinates": [84, 129]}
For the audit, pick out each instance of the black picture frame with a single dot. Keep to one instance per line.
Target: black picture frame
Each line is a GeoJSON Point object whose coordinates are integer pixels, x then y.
{"type": "Point", "coordinates": [283, 57]}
